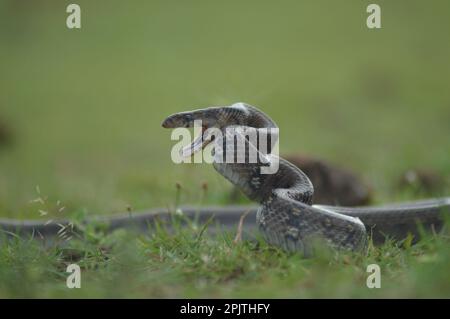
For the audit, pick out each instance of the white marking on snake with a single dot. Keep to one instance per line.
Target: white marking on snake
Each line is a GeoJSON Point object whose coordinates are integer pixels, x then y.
{"type": "Point", "coordinates": [241, 106]}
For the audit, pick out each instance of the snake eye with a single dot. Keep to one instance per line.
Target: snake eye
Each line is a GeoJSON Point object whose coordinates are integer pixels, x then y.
{"type": "Point", "coordinates": [187, 120]}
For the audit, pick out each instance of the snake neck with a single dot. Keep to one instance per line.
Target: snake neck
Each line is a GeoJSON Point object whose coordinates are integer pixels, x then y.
{"type": "Point", "coordinates": [287, 182]}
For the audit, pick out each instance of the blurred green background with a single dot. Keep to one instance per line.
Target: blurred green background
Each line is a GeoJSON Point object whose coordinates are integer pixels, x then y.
{"type": "Point", "coordinates": [80, 110]}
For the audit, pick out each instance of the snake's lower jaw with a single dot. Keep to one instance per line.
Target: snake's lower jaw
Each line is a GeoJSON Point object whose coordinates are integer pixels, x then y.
{"type": "Point", "coordinates": [192, 148]}
{"type": "Point", "coordinates": [197, 145]}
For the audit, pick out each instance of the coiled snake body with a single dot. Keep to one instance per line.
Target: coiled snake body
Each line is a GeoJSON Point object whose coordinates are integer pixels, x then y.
{"type": "Point", "coordinates": [285, 215]}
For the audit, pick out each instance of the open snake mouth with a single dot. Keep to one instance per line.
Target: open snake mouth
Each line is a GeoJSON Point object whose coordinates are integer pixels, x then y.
{"type": "Point", "coordinates": [187, 120]}
{"type": "Point", "coordinates": [199, 143]}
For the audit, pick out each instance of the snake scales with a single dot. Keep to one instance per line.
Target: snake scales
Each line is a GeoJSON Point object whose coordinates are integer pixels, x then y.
{"type": "Point", "coordinates": [285, 216]}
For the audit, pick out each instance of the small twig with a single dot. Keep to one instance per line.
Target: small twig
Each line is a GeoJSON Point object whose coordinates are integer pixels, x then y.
{"type": "Point", "coordinates": [238, 237]}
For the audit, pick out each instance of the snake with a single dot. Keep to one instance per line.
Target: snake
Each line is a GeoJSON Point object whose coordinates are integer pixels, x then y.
{"type": "Point", "coordinates": [285, 214]}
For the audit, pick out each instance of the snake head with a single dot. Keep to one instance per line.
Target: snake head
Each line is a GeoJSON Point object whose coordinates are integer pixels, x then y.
{"type": "Point", "coordinates": [203, 119]}
{"type": "Point", "coordinates": [209, 117]}
{"type": "Point", "coordinates": [183, 119]}
{"type": "Point", "coordinates": [215, 116]}
{"type": "Point", "coordinates": [212, 119]}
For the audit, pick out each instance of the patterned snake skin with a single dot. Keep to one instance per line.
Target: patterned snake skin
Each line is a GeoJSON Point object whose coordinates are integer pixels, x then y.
{"type": "Point", "coordinates": [286, 216]}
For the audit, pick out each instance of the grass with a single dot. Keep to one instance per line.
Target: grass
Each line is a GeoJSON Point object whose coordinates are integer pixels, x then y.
{"type": "Point", "coordinates": [189, 262]}
{"type": "Point", "coordinates": [82, 112]}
